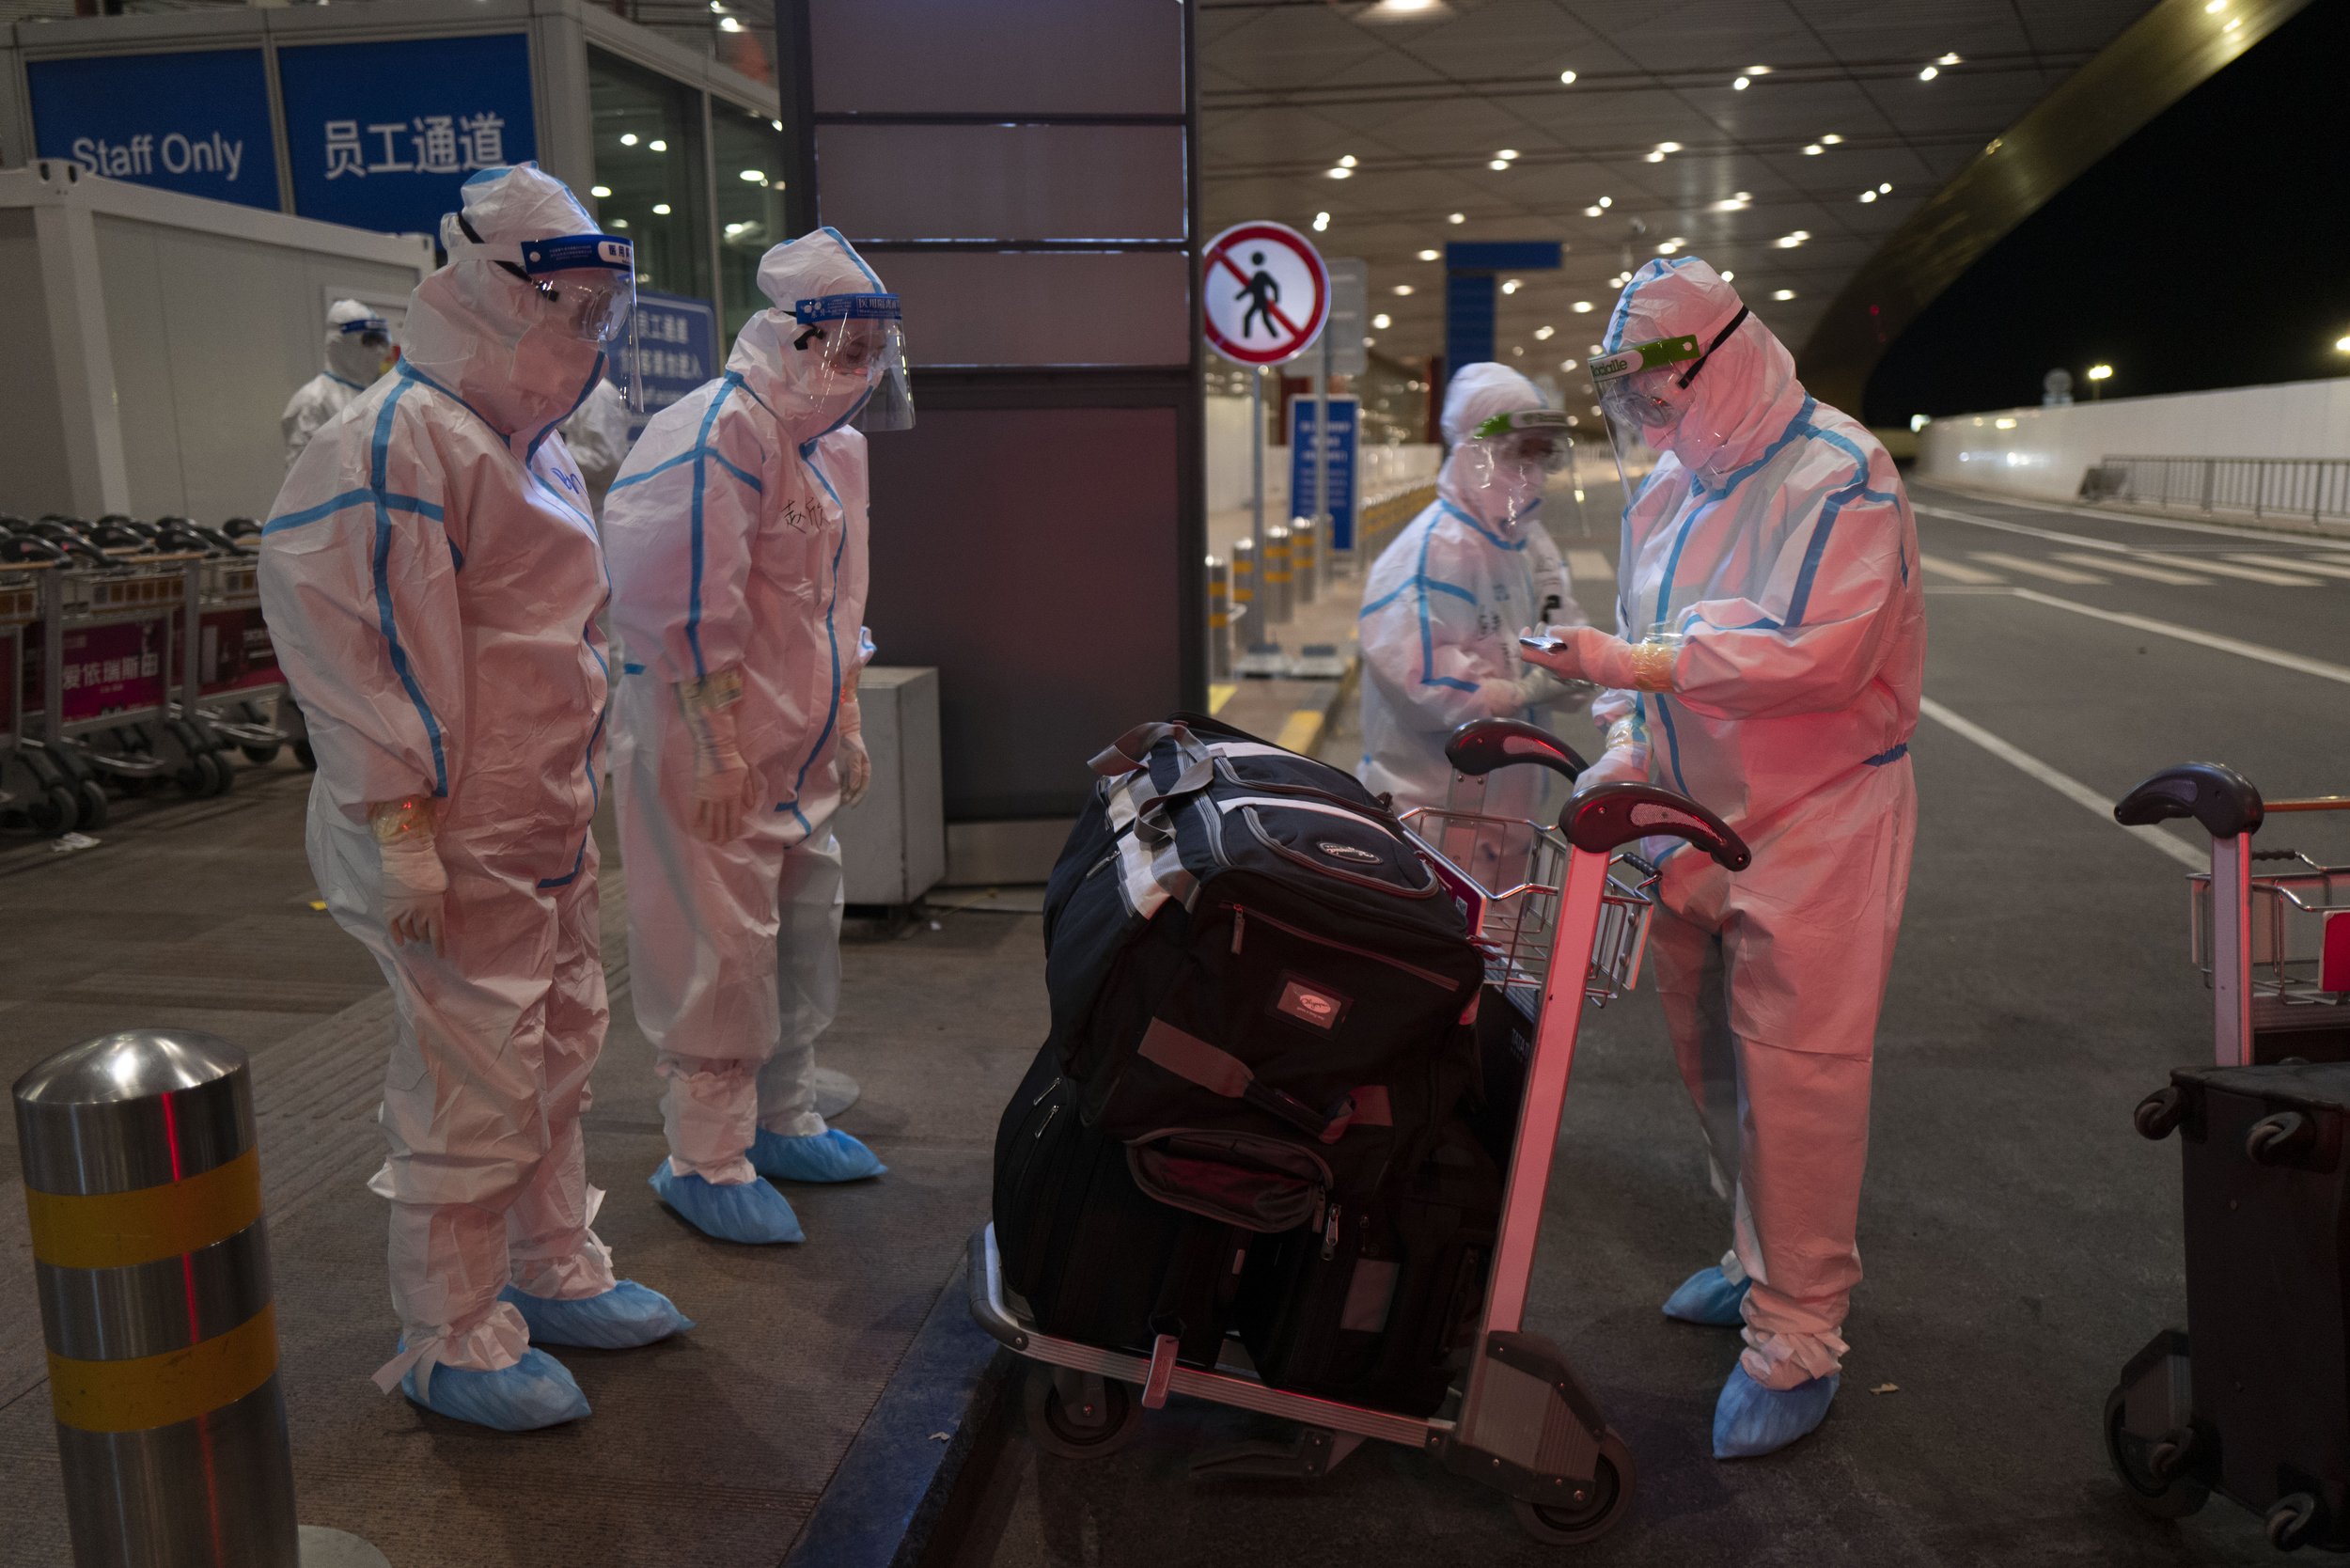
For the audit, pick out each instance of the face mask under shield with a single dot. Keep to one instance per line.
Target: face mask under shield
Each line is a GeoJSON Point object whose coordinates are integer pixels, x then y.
{"type": "Point", "coordinates": [858, 341]}
{"type": "Point", "coordinates": [374, 335]}
{"type": "Point", "coordinates": [586, 289]}
{"type": "Point", "coordinates": [1513, 456]}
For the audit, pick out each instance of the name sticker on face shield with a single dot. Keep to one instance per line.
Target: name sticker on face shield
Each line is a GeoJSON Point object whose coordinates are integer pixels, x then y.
{"type": "Point", "coordinates": [568, 252]}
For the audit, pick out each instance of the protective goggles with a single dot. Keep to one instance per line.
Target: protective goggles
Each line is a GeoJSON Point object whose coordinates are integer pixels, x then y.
{"type": "Point", "coordinates": [1636, 383]}
{"type": "Point", "coordinates": [375, 330]}
{"type": "Point", "coordinates": [590, 279]}
{"type": "Point", "coordinates": [1536, 435]}
{"type": "Point", "coordinates": [860, 338]}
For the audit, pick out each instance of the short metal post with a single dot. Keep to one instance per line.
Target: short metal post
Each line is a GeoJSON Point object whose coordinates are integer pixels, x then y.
{"type": "Point", "coordinates": [152, 1266]}
{"type": "Point", "coordinates": [1279, 600]}
{"type": "Point", "coordinates": [1219, 619]}
{"type": "Point", "coordinates": [1304, 563]}
{"type": "Point", "coordinates": [2231, 951]}
{"type": "Point", "coordinates": [1244, 577]}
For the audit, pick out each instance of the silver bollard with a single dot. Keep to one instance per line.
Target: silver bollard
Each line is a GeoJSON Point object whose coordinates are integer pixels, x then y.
{"type": "Point", "coordinates": [1219, 619]}
{"type": "Point", "coordinates": [152, 1265]}
{"type": "Point", "coordinates": [1304, 559]}
{"type": "Point", "coordinates": [1276, 590]}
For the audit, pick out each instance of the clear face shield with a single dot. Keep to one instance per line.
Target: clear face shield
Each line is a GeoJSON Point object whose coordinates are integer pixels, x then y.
{"type": "Point", "coordinates": [858, 341]}
{"type": "Point", "coordinates": [587, 288]}
{"type": "Point", "coordinates": [1643, 389]}
{"type": "Point", "coordinates": [374, 335]}
{"type": "Point", "coordinates": [1510, 457]}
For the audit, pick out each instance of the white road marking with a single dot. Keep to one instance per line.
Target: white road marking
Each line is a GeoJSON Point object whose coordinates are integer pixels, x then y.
{"type": "Point", "coordinates": [1589, 564]}
{"type": "Point", "coordinates": [1957, 571]}
{"type": "Point", "coordinates": [2289, 563]}
{"type": "Point", "coordinates": [2063, 783]}
{"type": "Point", "coordinates": [2107, 547]}
{"type": "Point", "coordinates": [2277, 656]}
{"type": "Point", "coordinates": [2133, 569]}
{"type": "Point", "coordinates": [2258, 536]}
{"type": "Point", "coordinates": [2032, 568]}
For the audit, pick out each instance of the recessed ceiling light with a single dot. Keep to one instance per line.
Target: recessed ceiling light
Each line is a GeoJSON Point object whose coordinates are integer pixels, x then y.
{"type": "Point", "coordinates": [1590, 211]}
{"type": "Point", "coordinates": [1430, 255]}
{"type": "Point", "coordinates": [1402, 288]}
{"type": "Point", "coordinates": [1868, 196]}
{"type": "Point", "coordinates": [1498, 164]}
{"type": "Point", "coordinates": [1347, 161]}
{"type": "Point", "coordinates": [658, 144]}
{"type": "Point", "coordinates": [1728, 275]}
{"type": "Point", "coordinates": [1339, 174]}
{"type": "Point", "coordinates": [1947, 59]}
{"type": "Point", "coordinates": [1832, 139]}
{"type": "Point", "coordinates": [755, 176]}
{"type": "Point", "coordinates": [1383, 320]}
{"type": "Point", "coordinates": [1928, 73]}
{"type": "Point", "coordinates": [1757, 71]}
{"type": "Point", "coordinates": [1322, 222]}
{"type": "Point", "coordinates": [599, 192]}
{"type": "Point", "coordinates": [1741, 84]}
{"type": "Point", "coordinates": [1886, 188]}
{"type": "Point", "coordinates": [1512, 286]}
{"type": "Point", "coordinates": [628, 138]}
{"type": "Point", "coordinates": [1813, 150]}
{"type": "Point", "coordinates": [1782, 293]}
{"type": "Point", "coordinates": [1457, 217]}
{"type": "Point", "coordinates": [660, 208]}
{"type": "Point", "coordinates": [1607, 201]}
{"type": "Point", "coordinates": [1543, 333]}
{"type": "Point", "coordinates": [1506, 154]}
{"type": "Point", "coordinates": [1667, 147]}
{"type": "Point", "coordinates": [1655, 158]}
{"type": "Point", "coordinates": [1582, 307]}
{"type": "Point", "coordinates": [1566, 365]}
{"type": "Point", "coordinates": [1567, 77]}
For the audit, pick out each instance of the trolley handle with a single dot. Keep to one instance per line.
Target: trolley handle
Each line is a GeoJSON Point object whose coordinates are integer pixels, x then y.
{"type": "Point", "coordinates": [1601, 819]}
{"type": "Point", "coordinates": [1483, 744]}
{"type": "Point", "coordinates": [2219, 797]}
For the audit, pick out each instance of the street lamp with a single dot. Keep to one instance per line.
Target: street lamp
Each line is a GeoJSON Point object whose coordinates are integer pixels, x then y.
{"type": "Point", "coordinates": [2098, 376]}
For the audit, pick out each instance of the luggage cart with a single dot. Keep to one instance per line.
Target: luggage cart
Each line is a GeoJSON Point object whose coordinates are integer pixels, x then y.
{"type": "Point", "coordinates": [49, 798]}
{"type": "Point", "coordinates": [241, 692]}
{"type": "Point", "coordinates": [2274, 946]}
{"type": "Point", "coordinates": [1518, 1420]}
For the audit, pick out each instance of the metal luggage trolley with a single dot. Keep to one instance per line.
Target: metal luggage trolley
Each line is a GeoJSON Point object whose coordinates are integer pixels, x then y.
{"type": "Point", "coordinates": [2274, 946]}
{"type": "Point", "coordinates": [240, 691]}
{"type": "Point", "coordinates": [1517, 1420]}
{"type": "Point", "coordinates": [29, 782]}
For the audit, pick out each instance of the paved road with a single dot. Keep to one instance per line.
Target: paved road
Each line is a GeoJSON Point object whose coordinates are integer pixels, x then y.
{"type": "Point", "coordinates": [2021, 1241]}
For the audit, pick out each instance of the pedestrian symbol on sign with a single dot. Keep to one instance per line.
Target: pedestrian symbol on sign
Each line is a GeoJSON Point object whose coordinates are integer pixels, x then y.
{"type": "Point", "coordinates": [1262, 293]}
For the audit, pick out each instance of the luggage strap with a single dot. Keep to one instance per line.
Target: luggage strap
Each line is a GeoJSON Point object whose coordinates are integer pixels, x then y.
{"type": "Point", "coordinates": [1217, 1071]}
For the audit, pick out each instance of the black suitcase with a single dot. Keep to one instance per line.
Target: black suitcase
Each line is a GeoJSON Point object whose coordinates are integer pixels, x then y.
{"type": "Point", "coordinates": [2253, 1400]}
{"type": "Point", "coordinates": [1242, 940]}
{"type": "Point", "coordinates": [1095, 1258]}
{"type": "Point", "coordinates": [1373, 1303]}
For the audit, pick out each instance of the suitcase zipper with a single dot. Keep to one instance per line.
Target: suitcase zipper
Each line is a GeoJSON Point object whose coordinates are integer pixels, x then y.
{"type": "Point", "coordinates": [1248, 813]}
{"type": "Point", "coordinates": [1240, 915]}
{"type": "Point", "coordinates": [1330, 1235]}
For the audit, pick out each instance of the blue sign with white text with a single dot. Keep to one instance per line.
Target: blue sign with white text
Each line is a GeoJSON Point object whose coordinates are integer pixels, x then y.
{"type": "Point", "coordinates": [1345, 428]}
{"type": "Point", "coordinates": [677, 349]}
{"type": "Point", "coordinates": [381, 135]}
{"type": "Point", "coordinates": [197, 123]}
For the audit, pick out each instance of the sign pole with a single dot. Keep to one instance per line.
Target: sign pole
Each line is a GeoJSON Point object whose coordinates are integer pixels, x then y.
{"type": "Point", "coordinates": [1256, 460]}
{"type": "Point", "coordinates": [1321, 458]}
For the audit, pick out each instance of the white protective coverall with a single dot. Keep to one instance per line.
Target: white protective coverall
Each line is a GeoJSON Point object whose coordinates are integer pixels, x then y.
{"type": "Point", "coordinates": [1444, 605]}
{"type": "Point", "coordinates": [737, 539]}
{"type": "Point", "coordinates": [1775, 535]}
{"type": "Point", "coordinates": [432, 581]}
{"type": "Point", "coordinates": [597, 437]}
{"type": "Point", "coordinates": [351, 367]}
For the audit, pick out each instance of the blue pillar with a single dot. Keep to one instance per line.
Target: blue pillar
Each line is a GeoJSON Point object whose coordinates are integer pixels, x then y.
{"type": "Point", "coordinates": [1471, 272]}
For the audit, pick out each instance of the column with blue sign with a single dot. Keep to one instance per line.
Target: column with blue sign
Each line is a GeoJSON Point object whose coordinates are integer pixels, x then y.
{"type": "Point", "coordinates": [1344, 432]}
{"type": "Point", "coordinates": [676, 350]}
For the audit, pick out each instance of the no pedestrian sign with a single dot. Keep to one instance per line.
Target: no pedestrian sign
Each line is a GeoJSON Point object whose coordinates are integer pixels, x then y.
{"type": "Point", "coordinates": [1265, 295]}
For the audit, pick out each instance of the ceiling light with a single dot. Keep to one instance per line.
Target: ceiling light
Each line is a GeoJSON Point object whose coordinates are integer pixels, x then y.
{"type": "Point", "coordinates": [1543, 334]}
{"type": "Point", "coordinates": [1582, 307]}
{"type": "Point", "coordinates": [1728, 275]}
{"type": "Point", "coordinates": [1402, 288]}
{"type": "Point", "coordinates": [2100, 372]}
{"type": "Point", "coordinates": [1383, 320]}
{"type": "Point", "coordinates": [1322, 222]}
{"type": "Point", "coordinates": [1390, 9]}
{"type": "Point", "coordinates": [1347, 161]}
{"type": "Point", "coordinates": [1457, 217]}
{"type": "Point", "coordinates": [1730, 204]}
{"type": "Point", "coordinates": [1518, 350]}
{"type": "Point", "coordinates": [2214, 6]}
{"type": "Point", "coordinates": [1566, 365]}
{"type": "Point", "coordinates": [599, 192]}
{"type": "Point", "coordinates": [1832, 139]}
{"type": "Point", "coordinates": [1368, 342]}
{"type": "Point", "coordinates": [1741, 84]}
{"type": "Point", "coordinates": [727, 24]}
{"type": "Point", "coordinates": [1498, 164]}
{"type": "Point", "coordinates": [1667, 147]}
{"type": "Point", "coordinates": [1339, 173]}
{"type": "Point", "coordinates": [776, 123]}
{"type": "Point", "coordinates": [619, 223]}
{"type": "Point", "coordinates": [628, 138]}
{"type": "Point", "coordinates": [1868, 196]}
{"type": "Point", "coordinates": [1886, 188]}
{"type": "Point", "coordinates": [734, 228]}
{"type": "Point", "coordinates": [2341, 345]}
{"type": "Point", "coordinates": [1512, 286]}
{"type": "Point", "coordinates": [1947, 59]}
{"type": "Point", "coordinates": [1757, 71]}
{"type": "Point", "coordinates": [755, 176]}
{"type": "Point", "coordinates": [1655, 158]}
{"type": "Point", "coordinates": [660, 208]}
{"type": "Point", "coordinates": [1607, 201]}
{"type": "Point", "coordinates": [658, 144]}
{"type": "Point", "coordinates": [1782, 293]}
{"type": "Point", "coordinates": [1813, 150]}
{"type": "Point", "coordinates": [1429, 255]}
{"type": "Point", "coordinates": [1788, 241]}
{"type": "Point", "coordinates": [1567, 77]}
{"type": "Point", "coordinates": [1506, 154]}
{"type": "Point", "coordinates": [2233, 23]}
{"type": "Point", "coordinates": [1928, 73]}
{"type": "Point", "coordinates": [1590, 211]}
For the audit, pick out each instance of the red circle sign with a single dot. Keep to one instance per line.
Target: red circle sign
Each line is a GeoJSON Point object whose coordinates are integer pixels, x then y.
{"type": "Point", "coordinates": [1265, 293]}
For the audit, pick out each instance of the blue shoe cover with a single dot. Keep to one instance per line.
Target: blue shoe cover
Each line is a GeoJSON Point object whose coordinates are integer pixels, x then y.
{"type": "Point", "coordinates": [1751, 1419]}
{"type": "Point", "coordinates": [831, 1155]}
{"type": "Point", "coordinates": [751, 1213]}
{"type": "Point", "coordinates": [1707, 1297]}
{"type": "Point", "coordinates": [535, 1392]}
{"type": "Point", "coordinates": [622, 1318]}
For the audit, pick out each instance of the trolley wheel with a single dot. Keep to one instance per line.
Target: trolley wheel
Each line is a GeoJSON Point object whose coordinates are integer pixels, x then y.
{"type": "Point", "coordinates": [2160, 1489]}
{"type": "Point", "coordinates": [1610, 1499]}
{"type": "Point", "coordinates": [2291, 1521]}
{"type": "Point", "coordinates": [303, 755]}
{"type": "Point", "coordinates": [1079, 1423]}
{"type": "Point", "coordinates": [96, 808]}
{"type": "Point", "coordinates": [260, 756]}
{"type": "Point", "coordinates": [55, 812]}
{"type": "Point", "coordinates": [224, 773]}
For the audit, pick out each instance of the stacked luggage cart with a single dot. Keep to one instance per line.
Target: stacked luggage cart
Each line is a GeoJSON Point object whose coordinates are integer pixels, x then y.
{"type": "Point", "coordinates": [2252, 1399]}
{"type": "Point", "coordinates": [1397, 1314]}
{"type": "Point", "coordinates": [134, 654]}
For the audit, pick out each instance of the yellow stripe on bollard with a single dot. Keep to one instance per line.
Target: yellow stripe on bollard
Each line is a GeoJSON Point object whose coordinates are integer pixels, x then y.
{"type": "Point", "coordinates": [115, 1229]}
{"type": "Point", "coordinates": [160, 1391]}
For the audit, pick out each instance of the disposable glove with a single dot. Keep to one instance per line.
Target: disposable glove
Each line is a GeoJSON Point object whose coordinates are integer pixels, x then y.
{"type": "Point", "coordinates": [1624, 762]}
{"type": "Point", "coordinates": [725, 788]}
{"type": "Point", "coordinates": [1501, 697]}
{"type": "Point", "coordinates": [856, 764]}
{"type": "Point", "coordinates": [1591, 654]}
{"type": "Point", "coordinates": [414, 883]}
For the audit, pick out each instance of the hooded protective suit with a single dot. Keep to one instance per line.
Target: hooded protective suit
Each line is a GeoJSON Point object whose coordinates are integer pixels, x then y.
{"type": "Point", "coordinates": [736, 534]}
{"type": "Point", "coordinates": [432, 581]}
{"type": "Point", "coordinates": [1445, 602]}
{"type": "Point", "coordinates": [353, 363]}
{"type": "Point", "coordinates": [1775, 549]}
{"type": "Point", "coordinates": [597, 437]}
